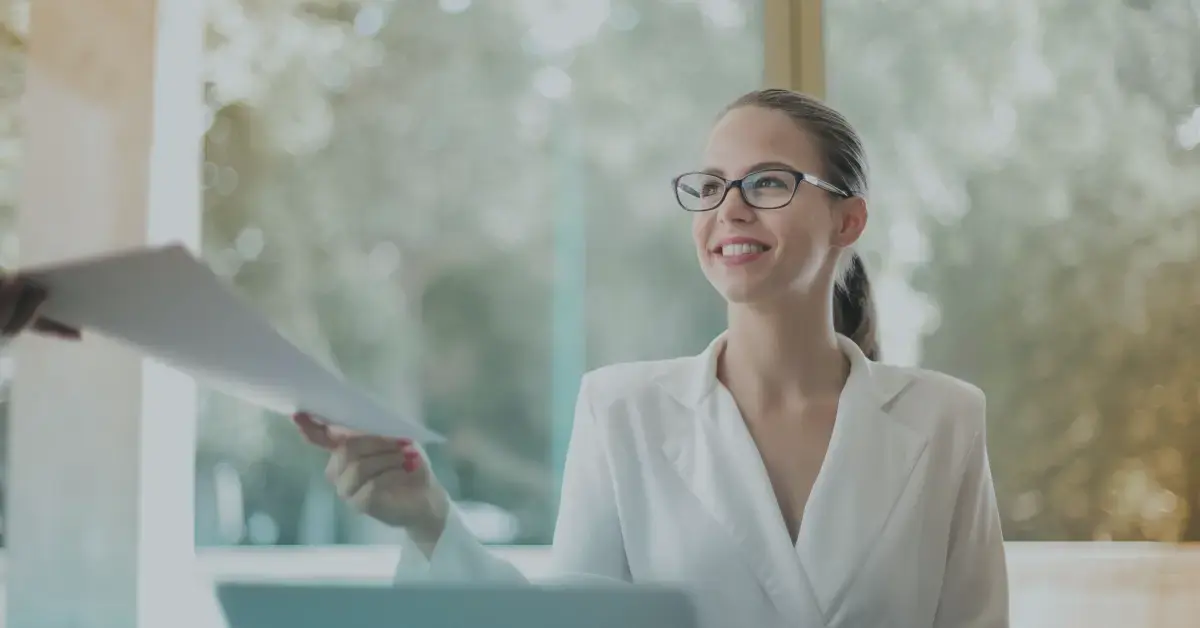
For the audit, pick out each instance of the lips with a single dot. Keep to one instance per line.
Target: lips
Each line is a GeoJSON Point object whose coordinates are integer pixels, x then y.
{"type": "Point", "coordinates": [739, 250]}
{"type": "Point", "coordinates": [739, 246]}
{"type": "Point", "coordinates": [734, 250]}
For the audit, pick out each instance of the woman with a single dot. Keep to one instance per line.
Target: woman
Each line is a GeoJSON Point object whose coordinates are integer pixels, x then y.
{"type": "Point", "coordinates": [783, 475]}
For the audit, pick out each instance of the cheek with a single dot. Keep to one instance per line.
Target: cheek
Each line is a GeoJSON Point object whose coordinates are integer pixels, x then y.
{"type": "Point", "coordinates": [806, 239]}
{"type": "Point", "coordinates": [807, 224]}
{"type": "Point", "coordinates": [701, 229]}
{"type": "Point", "coordinates": [802, 233]}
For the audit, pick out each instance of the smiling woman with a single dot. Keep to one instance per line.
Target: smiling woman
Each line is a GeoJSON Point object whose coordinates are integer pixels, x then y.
{"type": "Point", "coordinates": [779, 454]}
{"type": "Point", "coordinates": [774, 184]}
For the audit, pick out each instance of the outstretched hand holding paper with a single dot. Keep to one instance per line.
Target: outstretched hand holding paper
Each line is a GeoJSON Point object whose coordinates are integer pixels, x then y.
{"type": "Point", "coordinates": [166, 303]}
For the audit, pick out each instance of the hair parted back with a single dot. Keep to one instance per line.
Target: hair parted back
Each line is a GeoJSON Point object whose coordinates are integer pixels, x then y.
{"type": "Point", "coordinates": [845, 164]}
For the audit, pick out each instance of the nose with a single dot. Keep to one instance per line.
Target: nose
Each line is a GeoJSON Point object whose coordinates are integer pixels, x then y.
{"type": "Point", "coordinates": [734, 208]}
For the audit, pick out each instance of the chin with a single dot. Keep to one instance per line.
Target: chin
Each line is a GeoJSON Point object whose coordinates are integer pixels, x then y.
{"type": "Point", "coordinates": [740, 292]}
{"type": "Point", "coordinates": [742, 284]}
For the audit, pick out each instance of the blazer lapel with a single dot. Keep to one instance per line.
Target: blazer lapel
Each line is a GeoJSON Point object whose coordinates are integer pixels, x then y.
{"type": "Point", "coordinates": [870, 460]}
{"type": "Point", "coordinates": [720, 464]}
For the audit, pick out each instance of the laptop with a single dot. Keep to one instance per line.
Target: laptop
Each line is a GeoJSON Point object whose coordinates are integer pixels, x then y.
{"type": "Point", "coordinates": [262, 605]}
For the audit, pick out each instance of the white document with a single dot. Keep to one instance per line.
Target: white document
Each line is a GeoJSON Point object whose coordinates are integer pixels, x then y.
{"type": "Point", "coordinates": [169, 305]}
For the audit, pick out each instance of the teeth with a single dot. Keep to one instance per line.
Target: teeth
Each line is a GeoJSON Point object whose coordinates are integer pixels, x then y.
{"type": "Point", "coordinates": [731, 250]}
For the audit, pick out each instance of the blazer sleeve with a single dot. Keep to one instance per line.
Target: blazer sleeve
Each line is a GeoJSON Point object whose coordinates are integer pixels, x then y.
{"type": "Point", "coordinates": [975, 585]}
{"type": "Point", "coordinates": [587, 546]}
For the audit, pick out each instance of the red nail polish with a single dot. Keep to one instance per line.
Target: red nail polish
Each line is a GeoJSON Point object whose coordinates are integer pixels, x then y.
{"type": "Point", "coordinates": [410, 465]}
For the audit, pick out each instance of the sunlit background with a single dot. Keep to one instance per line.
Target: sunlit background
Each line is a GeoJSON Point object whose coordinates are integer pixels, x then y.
{"type": "Point", "coordinates": [464, 205]}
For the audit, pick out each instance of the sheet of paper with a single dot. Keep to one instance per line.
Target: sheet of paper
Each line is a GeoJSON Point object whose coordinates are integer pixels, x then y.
{"type": "Point", "coordinates": [169, 305]}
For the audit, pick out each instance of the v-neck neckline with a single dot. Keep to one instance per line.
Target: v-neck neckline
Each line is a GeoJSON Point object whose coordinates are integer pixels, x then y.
{"type": "Point", "coordinates": [764, 487]}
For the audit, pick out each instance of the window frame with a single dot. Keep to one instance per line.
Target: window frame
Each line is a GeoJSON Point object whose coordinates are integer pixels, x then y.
{"type": "Point", "coordinates": [794, 45]}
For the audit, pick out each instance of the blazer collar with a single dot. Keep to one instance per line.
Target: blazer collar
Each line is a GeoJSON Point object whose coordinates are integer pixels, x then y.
{"type": "Point", "coordinates": [697, 378]}
{"type": "Point", "coordinates": [728, 478]}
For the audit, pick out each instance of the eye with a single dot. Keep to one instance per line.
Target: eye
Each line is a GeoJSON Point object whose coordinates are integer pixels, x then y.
{"type": "Point", "coordinates": [768, 181]}
{"type": "Point", "coordinates": [700, 185]}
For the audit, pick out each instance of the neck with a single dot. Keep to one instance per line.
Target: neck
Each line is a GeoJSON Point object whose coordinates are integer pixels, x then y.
{"type": "Point", "coordinates": [783, 353]}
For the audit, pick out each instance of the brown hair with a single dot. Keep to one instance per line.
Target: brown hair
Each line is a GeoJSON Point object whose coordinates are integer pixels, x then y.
{"type": "Point", "coordinates": [846, 167]}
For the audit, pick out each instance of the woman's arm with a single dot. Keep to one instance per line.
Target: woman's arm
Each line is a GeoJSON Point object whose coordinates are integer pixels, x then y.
{"type": "Point", "coordinates": [587, 537]}
{"type": "Point", "coordinates": [975, 585]}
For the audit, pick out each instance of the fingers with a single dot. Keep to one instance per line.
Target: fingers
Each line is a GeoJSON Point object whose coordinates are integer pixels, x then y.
{"type": "Point", "coordinates": [355, 449]}
{"type": "Point", "coordinates": [365, 498]}
{"type": "Point", "coordinates": [361, 461]}
{"type": "Point", "coordinates": [364, 446]}
{"type": "Point", "coordinates": [50, 327]}
{"type": "Point", "coordinates": [412, 457]}
{"type": "Point", "coordinates": [315, 432]}
{"type": "Point", "coordinates": [10, 293]}
{"type": "Point", "coordinates": [358, 473]}
{"type": "Point", "coordinates": [360, 465]}
{"type": "Point", "coordinates": [19, 302]}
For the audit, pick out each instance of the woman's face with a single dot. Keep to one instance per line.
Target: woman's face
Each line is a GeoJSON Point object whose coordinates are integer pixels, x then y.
{"type": "Point", "coordinates": [754, 255]}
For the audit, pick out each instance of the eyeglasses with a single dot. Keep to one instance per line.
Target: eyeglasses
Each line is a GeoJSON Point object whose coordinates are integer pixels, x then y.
{"type": "Point", "coordinates": [765, 189]}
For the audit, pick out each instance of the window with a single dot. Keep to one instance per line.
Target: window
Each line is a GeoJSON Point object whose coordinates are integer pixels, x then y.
{"type": "Point", "coordinates": [462, 206]}
{"type": "Point", "coordinates": [1035, 213]}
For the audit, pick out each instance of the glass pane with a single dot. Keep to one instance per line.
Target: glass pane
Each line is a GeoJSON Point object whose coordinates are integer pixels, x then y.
{"type": "Point", "coordinates": [1035, 216]}
{"type": "Point", "coordinates": [461, 206]}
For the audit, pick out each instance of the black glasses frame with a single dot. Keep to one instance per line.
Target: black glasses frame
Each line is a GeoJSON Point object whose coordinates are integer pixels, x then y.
{"type": "Point", "coordinates": [801, 177]}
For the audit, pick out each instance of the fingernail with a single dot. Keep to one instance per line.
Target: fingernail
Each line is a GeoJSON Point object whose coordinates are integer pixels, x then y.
{"type": "Point", "coordinates": [410, 465]}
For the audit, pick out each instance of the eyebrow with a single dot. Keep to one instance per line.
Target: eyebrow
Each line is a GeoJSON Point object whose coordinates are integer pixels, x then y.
{"type": "Point", "coordinates": [762, 165]}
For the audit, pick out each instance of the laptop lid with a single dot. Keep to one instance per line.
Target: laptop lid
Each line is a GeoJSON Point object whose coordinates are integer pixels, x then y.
{"type": "Point", "coordinates": [263, 605]}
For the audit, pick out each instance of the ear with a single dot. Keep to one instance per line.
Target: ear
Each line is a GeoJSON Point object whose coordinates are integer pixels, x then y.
{"type": "Point", "coordinates": [849, 220]}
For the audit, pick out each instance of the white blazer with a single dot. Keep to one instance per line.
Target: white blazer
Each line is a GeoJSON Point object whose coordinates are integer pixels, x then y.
{"type": "Point", "coordinates": [663, 484]}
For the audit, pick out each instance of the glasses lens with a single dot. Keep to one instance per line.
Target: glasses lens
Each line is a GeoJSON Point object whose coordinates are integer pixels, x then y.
{"type": "Point", "coordinates": [698, 191]}
{"type": "Point", "coordinates": [769, 189]}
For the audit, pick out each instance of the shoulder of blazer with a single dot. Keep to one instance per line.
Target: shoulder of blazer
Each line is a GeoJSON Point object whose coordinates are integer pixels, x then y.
{"type": "Point", "coordinates": [629, 380]}
{"type": "Point", "coordinates": [940, 405]}
{"type": "Point", "coordinates": [638, 403]}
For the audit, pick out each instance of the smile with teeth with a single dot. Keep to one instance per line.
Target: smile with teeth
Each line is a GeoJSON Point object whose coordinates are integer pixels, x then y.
{"type": "Point", "coordinates": [744, 248]}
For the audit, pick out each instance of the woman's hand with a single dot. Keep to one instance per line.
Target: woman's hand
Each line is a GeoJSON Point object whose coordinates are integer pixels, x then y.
{"type": "Point", "coordinates": [19, 304]}
{"type": "Point", "coordinates": [384, 478]}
